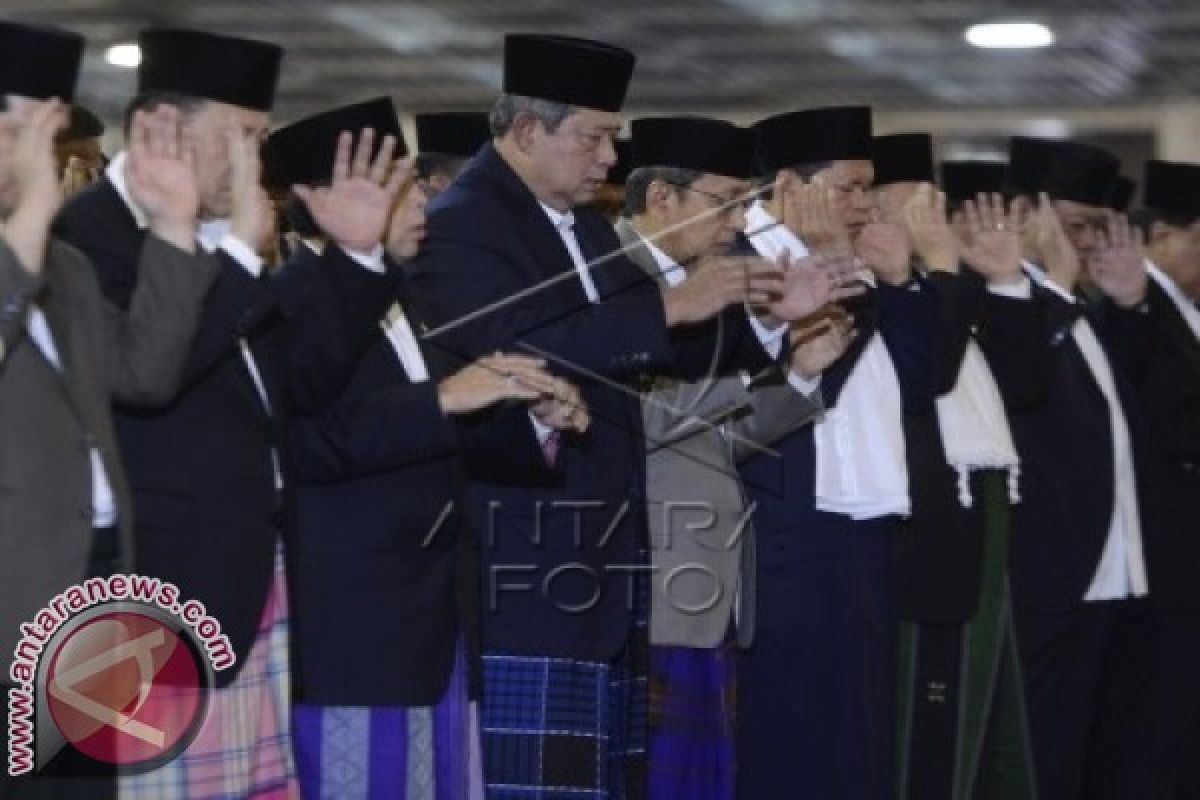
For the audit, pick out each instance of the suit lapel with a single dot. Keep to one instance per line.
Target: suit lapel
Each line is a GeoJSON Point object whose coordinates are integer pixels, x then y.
{"type": "Point", "coordinates": [542, 242]}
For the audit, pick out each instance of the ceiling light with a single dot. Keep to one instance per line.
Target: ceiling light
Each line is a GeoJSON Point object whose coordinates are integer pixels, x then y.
{"type": "Point", "coordinates": [127, 55]}
{"type": "Point", "coordinates": [1010, 35]}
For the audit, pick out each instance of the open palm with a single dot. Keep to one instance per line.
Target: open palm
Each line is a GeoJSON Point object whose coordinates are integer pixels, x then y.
{"type": "Point", "coordinates": [159, 170]}
{"type": "Point", "coordinates": [355, 208]}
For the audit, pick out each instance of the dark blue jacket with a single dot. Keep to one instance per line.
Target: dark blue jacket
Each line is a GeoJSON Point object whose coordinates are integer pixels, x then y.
{"type": "Point", "coordinates": [206, 508]}
{"type": "Point", "coordinates": [493, 274]}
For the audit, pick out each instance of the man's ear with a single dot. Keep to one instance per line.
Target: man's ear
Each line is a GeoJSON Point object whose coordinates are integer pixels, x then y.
{"type": "Point", "coordinates": [525, 130]}
{"type": "Point", "coordinates": [658, 196]}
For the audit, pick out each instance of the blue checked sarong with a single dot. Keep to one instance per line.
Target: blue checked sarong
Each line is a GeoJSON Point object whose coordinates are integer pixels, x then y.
{"type": "Point", "coordinates": [561, 728]}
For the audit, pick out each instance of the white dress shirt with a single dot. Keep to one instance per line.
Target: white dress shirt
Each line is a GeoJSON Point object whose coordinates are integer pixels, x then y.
{"type": "Point", "coordinates": [564, 223]}
{"type": "Point", "coordinates": [400, 334]}
{"type": "Point", "coordinates": [1122, 568]}
{"type": "Point", "coordinates": [104, 504]}
{"type": "Point", "coordinates": [860, 452]}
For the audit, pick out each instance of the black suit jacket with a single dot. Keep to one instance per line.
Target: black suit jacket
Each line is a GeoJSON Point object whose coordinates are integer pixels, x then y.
{"type": "Point", "coordinates": [385, 557]}
{"type": "Point", "coordinates": [200, 468]}
{"type": "Point", "coordinates": [939, 548]}
{"type": "Point", "coordinates": [1066, 449]}
{"type": "Point", "coordinates": [493, 273]}
{"type": "Point", "coordinates": [1162, 355]}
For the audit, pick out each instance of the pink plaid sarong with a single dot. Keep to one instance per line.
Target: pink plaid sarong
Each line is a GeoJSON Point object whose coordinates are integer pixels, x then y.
{"type": "Point", "coordinates": [244, 748]}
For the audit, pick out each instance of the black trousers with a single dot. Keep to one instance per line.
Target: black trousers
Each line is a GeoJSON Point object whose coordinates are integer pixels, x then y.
{"type": "Point", "coordinates": [1086, 675]}
{"type": "Point", "coordinates": [1172, 723]}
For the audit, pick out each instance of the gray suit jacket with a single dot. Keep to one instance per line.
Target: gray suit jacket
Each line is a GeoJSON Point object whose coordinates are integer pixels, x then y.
{"type": "Point", "coordinates": [702, 543]}
{"type": "Point", "coordinates": [50, 420]}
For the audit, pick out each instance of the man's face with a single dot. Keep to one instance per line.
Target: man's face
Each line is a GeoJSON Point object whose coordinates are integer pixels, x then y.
{"type": "Point", "coordinates": [1177, 251]}
{"type": "Point", "coordinates": [442, 177]}
{"type": "Point", "coordinates": [208, 126]}
{"type": "Point", "coordinates": [571, 163]}
{"type": "Point", "coordinates": [1082, 224]}
{"type": "Point", "coordinates": [700, 230]}
{"type": "Point", "coordinates": [407, 227]}
{"type": "Point", "coordinates": [12, 120]}
{"type": "Point", "coordinates": [854, 203]}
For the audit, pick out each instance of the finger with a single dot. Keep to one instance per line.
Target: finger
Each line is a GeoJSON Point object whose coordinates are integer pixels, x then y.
{"type": "Point", "coordinates": [1119, 225]}
{"type": "Point", "coordinates": [170, 132]}
{"type": "Point", "coordinates": [1015, 212]}
{"type": "Point", "coordinates": [971, 216]}
{"type": "Point", "coordinates": [383, 161]}
{"type": "Point", "coordinates": [187, 147]}
{"type": "Point", "coordinates": [513, 360]}
{"type": "Point", "coordinates": [137, 135]}
{"type": "Point", "coordinates": [396, 181]}
{"type": "Point", "coordinates": [341, 158]}
{"type": "Point", "coordinates": [361, 165]}
{"type": "Point", "coordinates": [939, 207]}
{"type": "Point", "coordinates": [847, 292]}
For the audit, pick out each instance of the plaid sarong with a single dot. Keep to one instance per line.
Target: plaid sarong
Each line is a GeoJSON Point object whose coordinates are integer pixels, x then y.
{"type": "Point", "coordinates": [556, 727]}
{"type": "Point", "coordinates": [244, 748]}
{"type": "Point", "coordinates": [392, 752]}
{"type": "Point", "coordinates": [692, 710]}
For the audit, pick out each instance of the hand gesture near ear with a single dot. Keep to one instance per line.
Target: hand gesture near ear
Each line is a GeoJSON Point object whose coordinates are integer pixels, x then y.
{"type": "Point", "coordinates": [1117, 265]}
{"type": "Point", "coordinates": [355, 208]}
{"type": "Point", "coordinates": [994, 250]}
{"type": "Point", "coordinates": [35, 184]}
{"type": "Point", "coordinates": [161, 176]}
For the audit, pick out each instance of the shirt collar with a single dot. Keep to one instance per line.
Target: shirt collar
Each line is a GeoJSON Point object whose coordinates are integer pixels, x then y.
{"type": "Point", "coordinates": [562, 220]}
{"type": "Point", "coordinates": [770, 237]}
{"type": "Point", "coordinates": [672, 272]}
{"type": "Point", "coordinates": [115, 172]}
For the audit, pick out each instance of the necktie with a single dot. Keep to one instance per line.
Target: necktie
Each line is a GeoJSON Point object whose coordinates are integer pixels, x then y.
{"type": "Point", "coordinates": [550, 448]}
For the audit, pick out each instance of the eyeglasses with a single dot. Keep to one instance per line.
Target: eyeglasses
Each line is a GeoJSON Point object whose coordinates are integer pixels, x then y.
{"type": "Point", "coordinates": [726, 203]}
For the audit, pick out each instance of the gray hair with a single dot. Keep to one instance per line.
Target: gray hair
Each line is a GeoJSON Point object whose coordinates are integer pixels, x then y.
{"type": "Point", "coordinates": [548, 112]}
{"type": "Point", "coordinates": [638, 184]}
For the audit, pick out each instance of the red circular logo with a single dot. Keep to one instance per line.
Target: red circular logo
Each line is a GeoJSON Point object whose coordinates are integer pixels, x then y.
{"type": "Point", "coordinates": [128, 688]}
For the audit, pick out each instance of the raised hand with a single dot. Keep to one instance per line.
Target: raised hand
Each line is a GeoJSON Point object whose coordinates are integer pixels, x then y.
{"type": "Point", "coordinates": [1059, 257]}
{"type": "Point", "coordinates": [818, 344]}
{"type": "Point", "coordinates": [929, 231]}
{"type": "Point", "coordinates": [252, 219]}
{"type": "Point", "coordinates": [36, 193]}
{"type": "Point", "coordinates": [1117, 265]}
{"type": "Point", "coordinates": [887, 251]}
{"type": "Point", "coordinates": [720, 282]}
{"type": "Point", "coordinates": [161, 176]}
{"type": "Point", "coordinates": [817, 220]}
{"type": "Point", "coordinates": [33, 165]}
{"type": "Point", "coordinates": [812, 282]}
{"type": "Point", "coordinates": [354, 210]}
{"type": "Point", "coordinates": [994, 245]}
